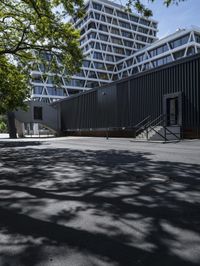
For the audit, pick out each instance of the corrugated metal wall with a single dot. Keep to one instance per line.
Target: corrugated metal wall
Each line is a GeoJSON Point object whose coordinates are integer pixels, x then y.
{"type": "Point", "coordinates": [127, 102]}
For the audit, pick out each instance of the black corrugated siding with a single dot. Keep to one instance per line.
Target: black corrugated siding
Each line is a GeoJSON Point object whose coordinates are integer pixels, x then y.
{"type": "Point", "coordinates": [127, 102]}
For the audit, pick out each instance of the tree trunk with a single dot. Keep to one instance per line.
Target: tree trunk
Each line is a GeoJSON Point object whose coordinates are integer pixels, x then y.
{"type": "Point", "coordinates": [11, 125]}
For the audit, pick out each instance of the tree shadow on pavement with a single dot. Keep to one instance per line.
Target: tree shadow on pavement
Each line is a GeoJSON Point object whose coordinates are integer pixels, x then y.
{"type": "Point", "coordinates": [107, 207]}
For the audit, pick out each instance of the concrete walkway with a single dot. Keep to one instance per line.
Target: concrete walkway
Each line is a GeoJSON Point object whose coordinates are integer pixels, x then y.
{"type": "Point", "coordinates": [97, 202]}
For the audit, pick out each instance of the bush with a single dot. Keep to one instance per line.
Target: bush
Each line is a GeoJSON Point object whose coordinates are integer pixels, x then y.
{"type": "Point", "coordinates": [3, 127]}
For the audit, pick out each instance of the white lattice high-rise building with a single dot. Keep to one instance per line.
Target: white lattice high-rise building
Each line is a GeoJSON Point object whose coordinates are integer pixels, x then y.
{"type": "Point", "coordinates": [108, 35]}
{"type": "Point", "coordinates": [115, 44]}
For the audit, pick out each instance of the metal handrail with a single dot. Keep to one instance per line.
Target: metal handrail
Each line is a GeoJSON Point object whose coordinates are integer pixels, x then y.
{"type": "Point", "coordinates": [142, 124]}
{"type": "Point", "coordinates": [157, 118]}
{"type": "Point", "coordinates": [172, 133]}
{"type": "Point", "coordinates": [151, 125]}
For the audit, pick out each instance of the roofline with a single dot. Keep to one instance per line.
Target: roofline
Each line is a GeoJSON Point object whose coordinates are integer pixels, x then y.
{"type": "Point", "coordinates": [163, 40]}
{"type": "Point", "coordinates": [109, 3]}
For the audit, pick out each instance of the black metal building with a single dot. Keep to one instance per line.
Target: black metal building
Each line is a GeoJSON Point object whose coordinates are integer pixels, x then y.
{"type": "Point", "coordinates": [172, 90]}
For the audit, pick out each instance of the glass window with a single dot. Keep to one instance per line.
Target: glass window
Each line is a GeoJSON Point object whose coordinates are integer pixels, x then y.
{"type": "Point", "coordinates": [134, 18]}
{"type": "Point", "coordinates": [122, 14]}
{"type": "Point", "coordinates": [129, 62]}
{"type": "Point", "coordinates": [118, 50]}
{"type": "Point", "coordinates": [103, 76]}
{"type": "Point", "coordinates": [128, 43]}
{"type": "Point", "coordinates": [97, 16]}
{"type": "Point", "coordinates": [124, 24]}
{"type": "Point", "coordinates": [103, 28]}
{"type": "Point", "coordinates": [178, 42]}
{"type": "Point", "coordinates": [97, 6]}
{"type": "Point", "coordinates": [117, 40]}
{"type": "Point", "coordinates": [127, 34]}
{"type": "Point", "coordinates": [115, 31]}
{"type": "Point", "coordinates": [108, 10]}
{"type": "Point", "coordinates": [143, 30]}
{"type": "Point", "coordinates": [191, 51]}
{"type": "Point", "coordinates": [159, 50]}
{"type": "Point", "coordinates": [97, 56]}
{"type": "Point", "coordinates": [144, 22]}
{"type": "Point", "coordinates": [103, 37]}
{"type": "Point", "coordinates": [37, 89]}
{"type": "Point", "coordinates": [110, 67]}
{"type": "Point", "coordinates": [37, 78]}
{"type": "Point", "coordinates": [99, 65]}
{"type": "Point", "coordinates": [115, 21]}
{"type": "Point", "coordinates": [109, 58]}
{"type": "Point", "coordinates": [91, 25]}
{"type": "Point", "coordinates": [86, 63]}
{"type": "Point", "coordinates": [141, 57]}
{"type": "Point", "coordinates": [179, 54]}
{"type": "Point", "coordinates": [92, 35]}
{"type": "Point", "coordinates": [197, 38]}
{"type": "Point", "coordinates": [162, 61]}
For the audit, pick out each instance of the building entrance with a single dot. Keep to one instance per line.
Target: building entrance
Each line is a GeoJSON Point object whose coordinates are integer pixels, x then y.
{"type": "Point", "coordinates": [172, 109]}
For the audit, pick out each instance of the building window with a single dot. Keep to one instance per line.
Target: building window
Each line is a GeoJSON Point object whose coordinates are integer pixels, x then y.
{"type": "Point", "coordinates": [128, 43]}
{"type": "Point", "coordinates": [127, 34]}
{"type": "Point", "coordinates": [37, 113]}
{"type": "Point", "coordinates": [122, 14]}
{"type": "Point", "coordinates": [159, 50]}
{"type": "Point", "coordinates": [97, 16]}
{"type": "Point", "coordinates": [197, 38]}
{"type": "Point", "coordinates": [97, 6]}
{"type": "Point", "coordinates": [124, 24]}
{"type": "Point", "coordinates": [116, 40]}
{"type": "Point", "coordinates": [103, 28]}
{"type": "Point", "coordinates": [191, 51]}
{"type": "Point", "coordinates": [179, 54]}
{"type": "Point", "coordinates": [108, 10]}
{"type": "Point", "coordinates": [115, 31]}
{"type": "Point", "coordinates": [103, 37]}
{"type": "Point", "coordinates": [181, 41]}
{"type": "Point", "coordinates": [144, 22]}
{"type": "Point", "coordinates": [37, 90]}
{"type": "Point", "coordinates": [134, 18]}
{"type": "Point", "coordinates": [98, 56]}
{"type": "Point", "coordinates": [141, 57]}
{"type": "Point", "coordinates": [162, 61]}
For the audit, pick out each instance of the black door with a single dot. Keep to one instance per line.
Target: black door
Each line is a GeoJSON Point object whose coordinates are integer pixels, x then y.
{"type": "Point", "coordinates": [172, 111]}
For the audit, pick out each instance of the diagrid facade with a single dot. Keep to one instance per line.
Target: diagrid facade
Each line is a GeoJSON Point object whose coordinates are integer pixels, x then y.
{"type": "Point", "coordinates": [115, 44]}
{"type": "Point", "coordinates": [108, 35]}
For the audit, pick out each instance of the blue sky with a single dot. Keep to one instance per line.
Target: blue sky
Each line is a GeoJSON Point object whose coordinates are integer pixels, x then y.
{"type": "Point", "coordinates": [184, 15]}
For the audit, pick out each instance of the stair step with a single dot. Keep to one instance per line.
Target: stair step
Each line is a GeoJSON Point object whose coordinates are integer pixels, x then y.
{"type": "Point", "coordinates": [159, 134]}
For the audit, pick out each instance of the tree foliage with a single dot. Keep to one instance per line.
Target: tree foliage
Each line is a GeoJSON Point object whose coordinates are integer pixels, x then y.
{"type": "Point", "coordinates": [27, 29]}
{"type": "Point", "coordinates": [14, 86]}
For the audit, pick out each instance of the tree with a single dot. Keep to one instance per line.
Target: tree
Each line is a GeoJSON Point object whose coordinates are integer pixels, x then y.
{"type": "Point", "coordinates": [27, 29]}
{"type": "Point", "coordinates": [14, 89]}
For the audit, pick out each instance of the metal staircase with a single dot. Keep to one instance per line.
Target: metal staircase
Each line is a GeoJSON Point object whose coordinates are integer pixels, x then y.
{"type": "Point", "coordinates": [157, 130]}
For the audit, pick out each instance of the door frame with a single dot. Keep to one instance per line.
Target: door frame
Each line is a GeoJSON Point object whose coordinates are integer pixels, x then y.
{"type": "Point", "coordinates": [179, 96]}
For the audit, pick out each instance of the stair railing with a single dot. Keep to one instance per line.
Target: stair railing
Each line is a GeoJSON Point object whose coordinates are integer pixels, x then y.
{"type": "Point", "coordinates": [142, 125]}
{"type": "Point", "coordinates": [162, 121]}
{"type": "Point", "coordinates": [146, 125]}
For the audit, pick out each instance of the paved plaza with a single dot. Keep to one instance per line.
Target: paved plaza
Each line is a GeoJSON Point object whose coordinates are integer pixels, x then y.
{"type": "Point", "coordinates": [97, 202]}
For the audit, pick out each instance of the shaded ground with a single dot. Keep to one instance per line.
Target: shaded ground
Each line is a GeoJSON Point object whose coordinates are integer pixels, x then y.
{"type": "Point", "coordinates": [88, 201]}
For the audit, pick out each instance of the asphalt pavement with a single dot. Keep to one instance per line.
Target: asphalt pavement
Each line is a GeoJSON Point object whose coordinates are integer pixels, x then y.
{"type": "Point", "coordinates": [78, 201]}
